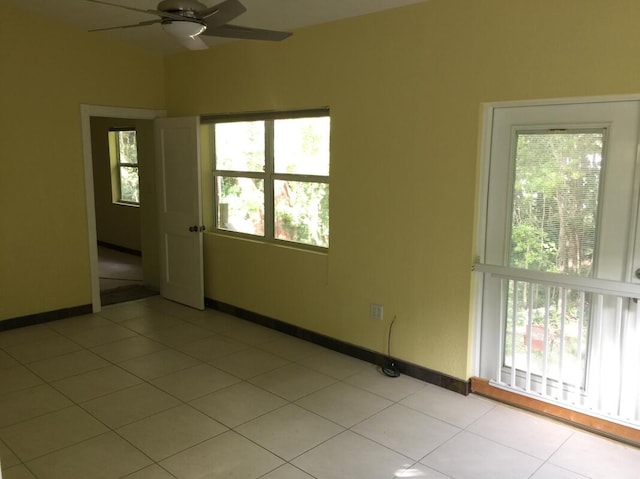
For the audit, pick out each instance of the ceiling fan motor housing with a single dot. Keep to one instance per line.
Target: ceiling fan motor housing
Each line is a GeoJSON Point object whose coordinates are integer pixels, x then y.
{"type": "Point", "coordinates": [192, 26]}
{"type": "Point", "coordinates": [186, 8]}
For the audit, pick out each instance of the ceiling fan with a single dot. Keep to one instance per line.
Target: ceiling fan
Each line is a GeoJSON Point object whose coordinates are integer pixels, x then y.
{"type": "Point", "coordinates": [186, 20]}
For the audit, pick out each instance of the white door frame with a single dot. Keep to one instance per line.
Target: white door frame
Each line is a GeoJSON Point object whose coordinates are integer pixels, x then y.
{"type": "Point", "coordinates": [86, 112]}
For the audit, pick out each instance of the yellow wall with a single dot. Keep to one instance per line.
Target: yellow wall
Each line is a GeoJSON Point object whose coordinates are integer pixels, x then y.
{"type": "Point", "coordinates": [405, 88]}
{"type": "Point", "coordinates": [47, 71]}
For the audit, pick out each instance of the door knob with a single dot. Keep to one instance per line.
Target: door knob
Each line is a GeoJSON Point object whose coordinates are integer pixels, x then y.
{"type": "Point", "coordinates": [193, 229]}
{"type": "Point", "coordinates": [638, 273]}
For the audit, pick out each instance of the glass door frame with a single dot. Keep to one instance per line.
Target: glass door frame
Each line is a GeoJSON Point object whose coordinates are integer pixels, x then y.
{"type": "Point", "coordinates": [627, 281]}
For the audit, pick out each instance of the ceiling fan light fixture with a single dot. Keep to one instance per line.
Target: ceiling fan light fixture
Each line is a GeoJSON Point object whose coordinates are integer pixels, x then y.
{"type": "Point", "coordinates": [183, 29]}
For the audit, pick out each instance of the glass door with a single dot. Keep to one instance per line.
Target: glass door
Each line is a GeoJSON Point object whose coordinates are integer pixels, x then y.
{"type": "Point", "coordinates": [559, 315]}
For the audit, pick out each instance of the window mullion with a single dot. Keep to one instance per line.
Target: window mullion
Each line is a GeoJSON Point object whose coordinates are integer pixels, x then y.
{"type": "Point", "coordinates": [268, 182]}
{"type": "Point", "coordinates": [305, 178]}
{"type": "Point", "coordinates": [239, 174]}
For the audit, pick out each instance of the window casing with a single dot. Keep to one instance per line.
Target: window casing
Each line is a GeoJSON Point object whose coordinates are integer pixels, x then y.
{"type": "Point", "coordinates": [271, 176]}
{"type": "Point", "coordinates": [125, 179]}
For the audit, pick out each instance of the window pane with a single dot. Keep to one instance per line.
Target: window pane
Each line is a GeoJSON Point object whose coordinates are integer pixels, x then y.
{"type": "Point", "coordinates": [301, 146]}
{"type": "Point", "coordinates": [555, 201]}
{"type": "Point", "coordinates": [129, 184]}
{"type": "Point", "coordinates": [239, 146]}
{"type": "Point", "coordinates": [128, 149]}
{"type": "Point", "coordinates": [240, 204]}
{"type": "Point", "coordinates": [301, 212]}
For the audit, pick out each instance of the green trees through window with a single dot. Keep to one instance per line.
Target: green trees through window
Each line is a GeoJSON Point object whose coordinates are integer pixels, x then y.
{"type": "Point", "coordinates": [555, 201]}
{"type": "Point", "coordinates": [271, 178]}
{"type": "Point", "coordinates": [123, 149]}
{"type": "Point", "coordinates": [554, 220]}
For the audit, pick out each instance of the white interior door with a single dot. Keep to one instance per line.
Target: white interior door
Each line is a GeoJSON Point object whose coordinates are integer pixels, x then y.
{"type": "Point", "coordinates": [558, 315]}
{"type": "Point", "coordinates": [180, 210]}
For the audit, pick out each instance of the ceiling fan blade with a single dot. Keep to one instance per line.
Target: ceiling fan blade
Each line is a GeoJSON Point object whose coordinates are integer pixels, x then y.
{"type": "Point", "coordinates": [221, 13]}
{"type": "Point", "coordinates": [235, 31]}
{"type": "Point", "coordinates": [141, 24]}
{"type": "Point", "coordinates": [192, 43]}
{"type": "Point", "coordinates": [152, 12]}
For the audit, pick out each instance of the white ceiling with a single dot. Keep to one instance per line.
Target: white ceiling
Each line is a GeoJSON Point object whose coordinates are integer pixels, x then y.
{"type": "Point", "coordinates": [284, 15]}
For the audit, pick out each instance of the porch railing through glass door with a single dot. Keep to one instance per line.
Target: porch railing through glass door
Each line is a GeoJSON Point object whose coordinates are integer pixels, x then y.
{"type": "Point", "coordinates": [573, 341]}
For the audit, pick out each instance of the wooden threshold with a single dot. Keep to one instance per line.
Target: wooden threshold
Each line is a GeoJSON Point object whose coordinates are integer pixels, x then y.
{"type": "Point", "coordinates": [597, 425]}
{"type": "Point", "coordinates": [122, 249]}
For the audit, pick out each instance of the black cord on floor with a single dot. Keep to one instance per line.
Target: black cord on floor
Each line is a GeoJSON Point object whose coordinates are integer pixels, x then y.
{"type": "Point", "coordinates": [389, 368]}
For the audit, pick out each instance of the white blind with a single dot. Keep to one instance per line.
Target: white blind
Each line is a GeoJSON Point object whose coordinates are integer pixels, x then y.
{"type": "Point", "coordinates": [554, 211]}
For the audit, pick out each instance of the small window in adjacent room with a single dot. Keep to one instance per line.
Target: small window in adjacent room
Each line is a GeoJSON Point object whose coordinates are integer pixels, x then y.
{"type": "Point", "coordinates": [123, 152]}
{"type": "Point", "coordinates": [271, 176]}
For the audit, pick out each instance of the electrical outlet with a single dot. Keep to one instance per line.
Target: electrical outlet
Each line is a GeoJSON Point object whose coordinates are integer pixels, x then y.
{"type": "Point", "coordinates": [376, 311]}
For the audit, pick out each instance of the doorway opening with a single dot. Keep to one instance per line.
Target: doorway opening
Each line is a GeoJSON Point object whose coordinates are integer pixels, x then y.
{"type": "Point", "coordinates": [147, 222]}
{"type": "Point", "coordinates": [121, 275]}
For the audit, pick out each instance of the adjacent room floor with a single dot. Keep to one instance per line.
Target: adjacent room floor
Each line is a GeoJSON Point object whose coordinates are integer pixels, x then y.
{"type": "Point", "coordinates": [151, 389]}
{"type": "Point", "coordinates": [121, 277]}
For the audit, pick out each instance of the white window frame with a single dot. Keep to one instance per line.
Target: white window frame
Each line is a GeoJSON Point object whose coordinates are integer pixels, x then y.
{"type": "Point", "coordinates": [116, 164]}
{"type": "Point", "coordinates": [269, 176]}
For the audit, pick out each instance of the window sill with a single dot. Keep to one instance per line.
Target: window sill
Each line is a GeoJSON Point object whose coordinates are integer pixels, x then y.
{"type": "Point", "coordinates": [131, 205]}
{"type": "Point", "coordinates": [296, 247]}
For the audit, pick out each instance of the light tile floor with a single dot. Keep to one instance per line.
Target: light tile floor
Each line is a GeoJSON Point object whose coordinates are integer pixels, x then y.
{"type": "Point", "coordinates": [154, 390]}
